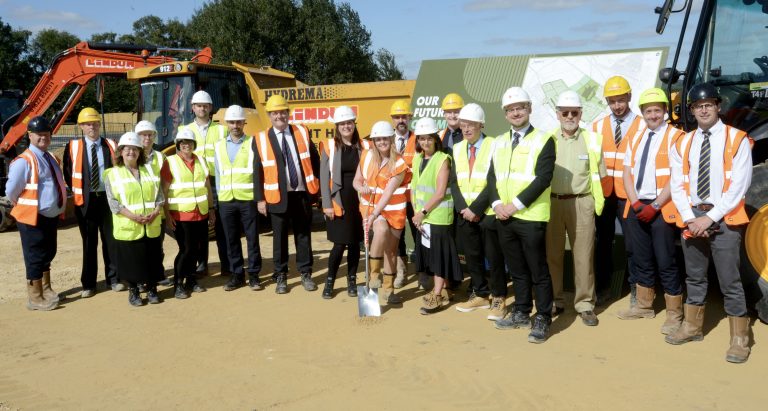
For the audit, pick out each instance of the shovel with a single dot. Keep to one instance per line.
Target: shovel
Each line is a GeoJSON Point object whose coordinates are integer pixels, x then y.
{"type": "Point", "coordinates": [367, 298]}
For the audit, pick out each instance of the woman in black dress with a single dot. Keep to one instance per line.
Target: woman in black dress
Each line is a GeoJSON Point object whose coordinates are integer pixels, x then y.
{"type": "Point", "coordinates": [340, 157]}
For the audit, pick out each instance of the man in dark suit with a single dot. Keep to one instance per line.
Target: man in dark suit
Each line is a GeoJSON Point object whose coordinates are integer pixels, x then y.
{"type": "Point", "coordinates": [286, 169]}
{"type": "Point", "coordinates": [85, 160]}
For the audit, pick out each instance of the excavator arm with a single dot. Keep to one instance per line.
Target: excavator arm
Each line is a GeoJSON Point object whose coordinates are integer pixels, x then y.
{"type": "Point", "coordinates": [77, 66]}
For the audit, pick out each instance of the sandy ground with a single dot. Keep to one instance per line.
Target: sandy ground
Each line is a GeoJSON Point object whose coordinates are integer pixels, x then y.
{"type": "Point", "coordinates": [259, 350]}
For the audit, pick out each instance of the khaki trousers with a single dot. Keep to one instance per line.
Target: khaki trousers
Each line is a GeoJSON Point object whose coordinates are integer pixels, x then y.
{"type": "Point", "coordinates": [575, 216]}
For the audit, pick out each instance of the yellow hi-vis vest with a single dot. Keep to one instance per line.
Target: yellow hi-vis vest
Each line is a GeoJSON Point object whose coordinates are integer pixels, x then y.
{"type": "Point", "coordinates": [204, 147]}
{"type": "Point", "coordinates": [157, 161]}
{"type": "Point", "coordinates": [138, 197]}
{"type": "Point", "coordinates": [235, 179]}
{"type": "Point", "coordinates": [424, 185]}
{"type": "Point", "coordinates": [187, 190]}
{"type": "Point", "coordinates": [594, 143]}
{"type": "Point", "coordinates": [472, 184]}
{"type": "Point", "coordinates": [515, 171]}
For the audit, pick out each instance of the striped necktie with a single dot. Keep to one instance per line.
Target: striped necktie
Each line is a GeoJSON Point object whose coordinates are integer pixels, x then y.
{"type": "Point", "coordinates": [293, 175]}
{"type": "Point", "coordinates": [94, 169]}
{"type": "Point", "coordinates": [702, 184]}
{"type": "Point", "coordinates": [617, 132]}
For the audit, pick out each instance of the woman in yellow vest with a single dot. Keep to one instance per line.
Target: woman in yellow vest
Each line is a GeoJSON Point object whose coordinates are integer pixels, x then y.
{"type": "Point", "coordinates": [381, 180]}
{"type": "Point", "coordinates": [188, 206]}
{"type": "Point", "coordinates": [436, 252]}
{"type": "Point", "coordinates": [136, 201]}
{"type": "Point", "coordinates": [339, 160]}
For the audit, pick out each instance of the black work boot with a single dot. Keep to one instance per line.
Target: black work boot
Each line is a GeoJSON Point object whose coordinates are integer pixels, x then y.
{"type": "Point", "coordinates": [235, 281]}
{"type": "Point", "coordinates": [179, 291]}
{"type": "Point", "coordinates": [281, 282]}
{"type": "Point", "coordinates": [254, 283]}
{"type": "Point", "coordinates": [194, 286]}
{"type": "Point", "coordinates": [352, 285]}
{"type": "Point", "coordinates": [306, 281]}
{"type": "Point", "coordinates": [328, 290]}
{"type": "Point", "coordinates": [152, 296]}
{"type": "Point", "coordinates": [134, 298]}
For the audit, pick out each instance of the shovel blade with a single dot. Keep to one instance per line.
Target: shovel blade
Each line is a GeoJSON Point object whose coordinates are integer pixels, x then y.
{"type": "Point", "coordinates": [368, 302]}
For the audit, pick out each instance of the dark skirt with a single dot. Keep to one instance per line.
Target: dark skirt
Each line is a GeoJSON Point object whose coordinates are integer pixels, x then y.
{"type": "Point", "coordinates": [441, 258]}
{"type": "Point", "coordinates": [347, 229]}
{"type": "Point", "coordinates": [137, 260]}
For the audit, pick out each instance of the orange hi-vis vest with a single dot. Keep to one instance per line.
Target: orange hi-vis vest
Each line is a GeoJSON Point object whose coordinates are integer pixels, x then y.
{"type": "Point", "coordinates": [26, 208]}
{"type": "Point", "coordinates": [377, 178]}
{"type": "Point", "coordinates": [76, 153]}
{"type": "Point", "coordinates": [663, 171]}
{"type": "Point", "coordinates": [614, 156]}
{"type": "Point", "coordinates": [269, 165]}
{"type": "Point", "coordinates": [733, 139]}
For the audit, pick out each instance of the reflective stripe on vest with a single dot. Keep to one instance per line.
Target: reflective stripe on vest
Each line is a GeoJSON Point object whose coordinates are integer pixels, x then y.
{"type": "Point", "coordinates": [472, 184]}
{"type": "Point", "coordinates": [733, 139]}
{"type": "Point", "coordinates": [424, 185]}
{"type": "Point", "coordinates": [515, 171]}
{"type": "Point", "coordinates": [76, 153]}
{"type": "Point", "coordinates": [330, 151]}
{"type": "Point", "coordinates": [26, 208]}
{"type": "Point", "coordinates": [614, 156]}
{"type": "Point", "coordinates": [269, 165]}
{"type": "Point", "coordinates": [377, 179]}
{"type": "Point", "coordinates": [205, 146]}
{"type": "Point", "coordinates": [235, 178]}
{"type": "Point", "coordinates": [187, 189]}
{"type": "Point", "coordinates": [594, 149]}
{"type": "Point", "coordinates": [138, 197]}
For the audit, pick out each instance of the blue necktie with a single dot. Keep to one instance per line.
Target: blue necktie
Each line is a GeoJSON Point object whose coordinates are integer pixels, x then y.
{"type": "Point", "coordinates": [643, 161]}
{"type": "Point", "coordinates": [293, 177]}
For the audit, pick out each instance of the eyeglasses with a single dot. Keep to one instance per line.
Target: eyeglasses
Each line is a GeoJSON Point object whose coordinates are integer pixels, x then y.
{"type": "Point", "coordinates": [703, 107]}
{"type": "Point", "coordinates": [570, 113]}
{"type": "Point", "coordinates": [515, 109]}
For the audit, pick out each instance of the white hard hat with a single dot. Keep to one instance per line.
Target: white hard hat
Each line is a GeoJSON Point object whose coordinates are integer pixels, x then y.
{"type": "Point", "coordinates": [569, 98]}
{"type": "Point", "coordinates": [145, 125]}
{"type": "Point", "coordinates": [234, 113]}
{"type": "Point", "coordinates": [342, 114]}
{"type": "Point", "coordinates": [514, 95]}
{"type": "Point", "coordinates": [382, 129]}
{"type": "Point", "coordinates": [201, 97]}
{"type": "Point", "coordinates": [425, 125]}
{"type": "Point", "coordinates": [130, 139]}
{"type": "Point", "coordinates": [184, 134]}
{"type": "Point", "coordinates": [472, 112]}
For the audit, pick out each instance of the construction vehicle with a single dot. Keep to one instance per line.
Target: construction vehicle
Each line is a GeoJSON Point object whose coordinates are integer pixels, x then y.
{"type": "Point", "coordinates": [727, 49]}
{"type": "Point", "coordinates": [72, 68]}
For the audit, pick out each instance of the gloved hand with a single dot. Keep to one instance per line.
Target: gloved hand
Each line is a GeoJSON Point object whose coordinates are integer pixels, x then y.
{"type": "Point", "coordinates": [647, 214]}
{"type": "Point", "coordinates": [637, 206]}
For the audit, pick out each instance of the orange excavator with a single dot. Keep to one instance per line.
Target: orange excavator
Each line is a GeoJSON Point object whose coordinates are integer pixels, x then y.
{"type": "Point", "coordinates": [75, 66]}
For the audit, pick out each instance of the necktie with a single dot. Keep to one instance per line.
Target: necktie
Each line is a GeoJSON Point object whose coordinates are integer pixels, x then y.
{"type": "Point", "coordinates": [702, 184]}
{"type": "Point", "coordinates": [400, 145]}
{"type": "Point", "coordinates": [94, 169]}
{"type": "Point", "coordinates": [472, 149]}
{"type": "Point", "coordinates": [56, 182]}
{"type": "Point", "coordinates": [643, 161]}
{"type": "Point", "coordinates": [617, 132]}
{"type": "Point", "coordinates": [515, 140]}
{"type": "Point", "coordinates": [293, 177]}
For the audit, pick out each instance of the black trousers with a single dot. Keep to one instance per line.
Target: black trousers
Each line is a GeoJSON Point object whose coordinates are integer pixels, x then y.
{"type": "Point", "coordinates": [221, 241]}
{"type": "Point", "coordinates": [241, 217]}
{"type": "Point", "coordinates": [191, 237]}
{"type": "Point", "coordinates": [654, 252]}
{"type": "Point", "coordinates": [353, 259]}
{"type": "Point", "coordinates": [94, 224]}
{"type": "Point", "coordinates": [299, 216]}
{"type": "Point", "coordinates": [38, 245]}
{"type": "Point", "coordinates": [523, 243]}
{"type": "Point", "coordinates": [470, 240]}
{"type": "Point", "coordinates": [605, 225]}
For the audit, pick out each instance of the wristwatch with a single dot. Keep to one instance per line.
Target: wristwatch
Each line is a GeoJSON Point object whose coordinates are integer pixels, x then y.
{"type": "Point", "coordinates": [424, 211]}
{"type": "Point", "coordinates": [656, 206]}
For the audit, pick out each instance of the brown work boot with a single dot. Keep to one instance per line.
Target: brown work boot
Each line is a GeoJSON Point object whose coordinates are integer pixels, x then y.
{"type": "Point", "coordinates": [402, 276]}
{"type": "Point", "coordinates": [739, 350]}
{"type": "Point", "coordinates": [498, 308]}
{"type": "Point", "coordinates": [48, 292]}
{"type": "Point", "coordinates": [674, 313]}
{"type": "Point", "coordinates": [36, 300]}
{"type": "Point", "coordinates": [375, 264]}
{"type": "Point", "coordinates": [644, 306]}
{"type": "Point", "coordinates": [432, 303]}
{"type": "Point", "coordinates": [690, 329]}
{"type": "Point", "coordinates": [388, 292]}
{"type": "Point", "coordinates": [473, 303]}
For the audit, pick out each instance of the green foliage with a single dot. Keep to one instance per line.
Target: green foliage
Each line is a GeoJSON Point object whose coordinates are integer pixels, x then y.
{"type": "Point", "coordinates": [45, 46]}
{"type": "Point", "coordinates": [14, 72]}
{"type": "Point", "coordinates": [386, 66]}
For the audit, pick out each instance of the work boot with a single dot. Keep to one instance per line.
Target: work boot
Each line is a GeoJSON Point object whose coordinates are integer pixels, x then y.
{"type": "Point", "coordinates": [307, 283]}
{"type": "Point", "coordinates": [374, 265]}
{"type": "Point", "coordinates": [179, 291]}
{"type": "Point", "coordinates": [389, 290]}
{"type": "Point", "coordinates": [235, 281]}
{"type": "Point", "coordinates": [674, 313]}
{"type": "Point", "coordinates": [514, 320]}
{"type": "Point", "coordinates": [473, 303]}
{"type": "Point", "coordinates": [36, 300]}
{"type": "Point", "coordinates": [432, 303]}
{"type": "Point", "coordinates": [739, 350]}
{"type": "Point", "coordinates": [281, 283]}
{"type": "Point", "coordinates": [254, 282]}
{"type": "Point", "coordinates": [328, 290]}
{"type": "Point", "coordinates": [644, 306]}
{"type": "Point", "coordinates": [498, 308]}
{"type": "Point", "coordinates": [152, 296]}
{"type": "Point", "coordinates": [690, 329]}
{"type": "Point", "coordinates": [540, 329]}
{"type": "Point", "coordinates": [194, 286]}
{"type": "Point", "coordinates": [48, 292]}
{"type": "Point", "coordinates": [447, 295]}
{"type": "Point", "coordinates": [402, 276]}
{"type": "Point", "coordinates": [352, 285]}
{"type": "Point", "coordinates": [134, 298]}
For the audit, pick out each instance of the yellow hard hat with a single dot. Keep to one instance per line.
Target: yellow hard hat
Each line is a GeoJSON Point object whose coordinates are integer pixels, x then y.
{"type": "Point", "coordinates": [452, 101]}
{"type": "Point", "coordinates": [276, 103]}
{"type": "Point", "coordinates": [88, 115]}
{"type": "Point", "coordinates": [653, 95]}
{"type": "Point", "coordinates": [616, 86]}
{"type": "Point", "coordinates": [401, 107]}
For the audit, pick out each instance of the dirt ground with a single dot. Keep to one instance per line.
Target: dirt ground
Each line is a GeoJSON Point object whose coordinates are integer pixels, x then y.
{"type": "Point", "coordinates": [260, 350]}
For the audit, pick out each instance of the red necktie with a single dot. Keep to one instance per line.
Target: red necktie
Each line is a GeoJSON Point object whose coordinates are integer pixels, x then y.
{"type": "Point", "coordinates": [471, 159]}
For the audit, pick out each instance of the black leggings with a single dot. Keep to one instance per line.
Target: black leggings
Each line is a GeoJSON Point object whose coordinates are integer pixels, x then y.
{"type": "Point", "coordinates": [334, 259]}
{"type": "Point", "coordinates": [191, 237]}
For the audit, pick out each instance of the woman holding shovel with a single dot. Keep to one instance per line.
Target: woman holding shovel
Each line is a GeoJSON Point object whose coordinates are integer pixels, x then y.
{"type": "Point", "coordinates": [382, 180]}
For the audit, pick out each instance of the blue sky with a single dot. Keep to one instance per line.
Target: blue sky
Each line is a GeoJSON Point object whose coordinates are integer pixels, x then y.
{"type": "Point", "coordinates": [412, 30]}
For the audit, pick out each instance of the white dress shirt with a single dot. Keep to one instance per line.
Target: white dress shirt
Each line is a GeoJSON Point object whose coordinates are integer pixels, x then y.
{"type": "Point", "coordinates": [294, 155]}
{"type": "Point", "coordinates": [648, 189]}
